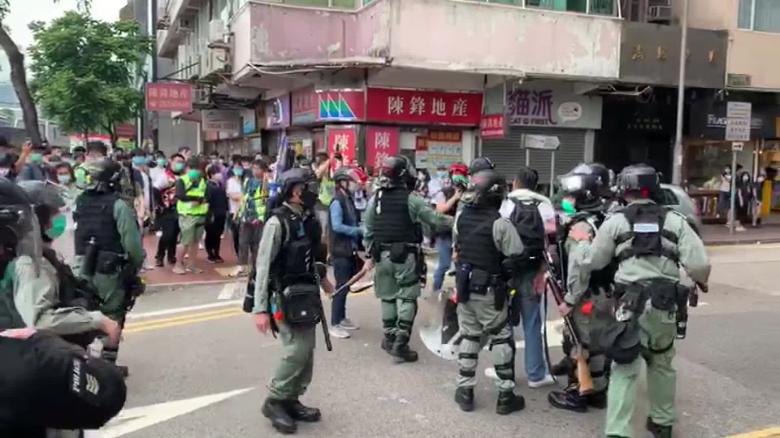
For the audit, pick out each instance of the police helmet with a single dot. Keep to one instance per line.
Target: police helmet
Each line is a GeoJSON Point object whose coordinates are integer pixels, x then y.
{"type": "Point", "coordinates": [398, 171]}
{"type": "Point", "coordinates": [489, 188]}
{"type": "Point", "coordinates": [587, 182]}
{"type": "Point", "coordinates": [343, 174]}
{"type": "Point", "coordinates": [298, 176]}
{"type": "Point", "coordinates": [481, 163]}
{"type": "Point", "coordinates": [16, 213]}
{"type": "Point", "coordinates": [102, 175]}
{"type": "Point", "coordinates": [640, 179]}
{"type": "Point", "coordinates": [45, 196]}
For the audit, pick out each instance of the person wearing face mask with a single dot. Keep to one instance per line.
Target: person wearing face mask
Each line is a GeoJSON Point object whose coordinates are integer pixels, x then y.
{"type": "Point", "coordinates": [234, 190]}
{"type": "Point", "coordinates": [159, 173]}
{"type": "Point", "coordinates": [251, 215]}
{"type": "Point", "coordinates": [34, 169]}
{"type": "Point", "coordinates": [216, 197]}
{"type": "Point", "coordinates": [724, 192]}
{"type": "Point", "coordinates": [167, 219]}
{"type": "Point", "coordinates": [52, 298]}
{"type": "Point", "coordinates": [192, 208]}
{"type": "Point", "coordinates": [286, 296]}
{"type": "Point", "coordinates": [144, 200]}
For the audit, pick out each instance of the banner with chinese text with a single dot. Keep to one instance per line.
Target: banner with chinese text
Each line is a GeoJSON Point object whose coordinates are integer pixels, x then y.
{"type": "Point", "coordinates": [424, 107]}
{"type": "Point", "coordinates": [493, 126]}
{"type": "Point", "coordinates": [550, 104]}
{"type": "Point", "coordinates": [444, 148]}
{"type": "Point", "coordinates": [381, 142]}
{"type": "Point", "coordinates": [342, 140]}
{"type": "Point", "coordinates": [169, 96]}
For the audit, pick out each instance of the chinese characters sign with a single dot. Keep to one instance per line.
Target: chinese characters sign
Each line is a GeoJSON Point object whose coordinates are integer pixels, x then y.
{"type": "Point", "coordinates": [381, 142]}
{"type": "Point", "coordinates": [444, 148]}
{"type": "Point", "coordinates": [169, 96]}
{"type": "Point", "coordinates": [221, 121]}
{"type": "Point", "coordinates": [546, 104]}
{"type": "Point", "coordinates": [424, 107]}
{"type": "Point", "coordinates": [493, 126]}
{"type": "Point", "coordinates": [310, 105]}
{"type": "Point", "coordinates": [342, 140]}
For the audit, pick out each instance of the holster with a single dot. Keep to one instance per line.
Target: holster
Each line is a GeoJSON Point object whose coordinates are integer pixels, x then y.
{"type": "Point", "coordinates": [462, 279]}
{"type": "Point", "coordinates": [108, 263]}
{"type": "Point", "coordinates": [500, 292]}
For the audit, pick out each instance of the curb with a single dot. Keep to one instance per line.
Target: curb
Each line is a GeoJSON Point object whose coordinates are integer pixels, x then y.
{"type": "Point", "coordinates": [746, 241]}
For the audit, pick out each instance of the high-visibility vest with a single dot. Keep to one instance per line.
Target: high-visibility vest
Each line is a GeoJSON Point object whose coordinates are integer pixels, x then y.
{"type": "Point", "coordinates": [327, 191]}
{"type": "Point", "coordinates": [188, 208]}
{"type": "Point", "coordinates": [258, 197]}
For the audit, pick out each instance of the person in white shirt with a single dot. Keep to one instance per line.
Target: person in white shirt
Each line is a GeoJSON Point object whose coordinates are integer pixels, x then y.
{"type": "Point", "coordinates": [234, 191]}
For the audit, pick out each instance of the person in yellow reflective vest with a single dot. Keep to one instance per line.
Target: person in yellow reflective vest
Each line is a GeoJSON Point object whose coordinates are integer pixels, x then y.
{"type": "Point", "coordinates": [192, 208]}
{"type": "Point", "coordinates": [323, 168]}
{"type": "Point", "coordinates": [251, 216]}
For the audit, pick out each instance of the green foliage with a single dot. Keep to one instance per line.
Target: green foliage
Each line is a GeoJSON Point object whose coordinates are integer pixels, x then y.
{"type": "Point", "coordinates": [84, 71]}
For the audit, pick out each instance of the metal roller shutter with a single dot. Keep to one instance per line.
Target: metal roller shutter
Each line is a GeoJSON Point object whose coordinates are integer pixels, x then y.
{"type": "Point", "coordinates": [508, 155]}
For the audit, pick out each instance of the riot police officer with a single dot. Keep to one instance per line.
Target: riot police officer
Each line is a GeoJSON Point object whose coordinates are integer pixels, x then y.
{"type": "Point", "coordinates": [650, 244]}
{"type": "Point", "coordinates": [108, 246]}
{"type": "Point", "coordinates": [287, 296]}
{"type": "Point", "coordinates": [482, 241]}
{"type": "Point", "coordinates": [586, 198]}
{"type": "Point", "coordinates": [393, 237]}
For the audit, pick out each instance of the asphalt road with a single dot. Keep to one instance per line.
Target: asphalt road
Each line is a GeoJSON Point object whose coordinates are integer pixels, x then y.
{"type": "Point", "coordinates": [199, 369]}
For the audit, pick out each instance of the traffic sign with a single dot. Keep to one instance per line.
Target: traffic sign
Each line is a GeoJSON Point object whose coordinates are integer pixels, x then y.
{"type": "Point", "coordinates": [738, 116]}
{"type": "Point", "coordinates": [544, 142]}
{"type": "Point", "coordinates": [737, 146]}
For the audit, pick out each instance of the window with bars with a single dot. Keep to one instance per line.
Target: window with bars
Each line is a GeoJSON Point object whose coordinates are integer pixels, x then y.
{"type": "Point", "coordinates": [760, 15]}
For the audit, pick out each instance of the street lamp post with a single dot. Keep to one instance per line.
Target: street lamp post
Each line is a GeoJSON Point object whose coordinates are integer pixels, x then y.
{"type": "Point", "coordinates": [678, 149]}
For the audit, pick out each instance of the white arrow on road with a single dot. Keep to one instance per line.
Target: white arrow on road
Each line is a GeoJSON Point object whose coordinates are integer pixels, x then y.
{"type": "Point", "coordinates": [133, 419]}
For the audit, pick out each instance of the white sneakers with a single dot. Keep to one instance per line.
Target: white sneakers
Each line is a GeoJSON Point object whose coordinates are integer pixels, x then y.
{"type": "Point", "coordinates": [342, 329]}
{"type": "Point", "coordinates": [337, 331]}
{"type": "Point", "coordinates": [548, 380]}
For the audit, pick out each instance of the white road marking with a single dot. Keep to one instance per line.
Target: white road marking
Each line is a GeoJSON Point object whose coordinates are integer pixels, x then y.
{"type": "Point", "coordinates": [133, 419]}
{"type": "Point", "coordinates": [229, 291]}
{"type": "Point", "coordinates": [176, 310]}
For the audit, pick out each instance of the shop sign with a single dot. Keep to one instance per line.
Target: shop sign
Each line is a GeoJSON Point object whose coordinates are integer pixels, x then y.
{"type": "Point", "coordinates": [342, 140]}
{"type": "Point", "coordinates": [493, 126]}
{"type": "Point", "coordinates": [221, 120]}
{"type": "Point", "coordinates": [444, 148]}
{"type": "Point", "coordinates": [248, 122]}
{"type": "Point", "coordinates": [424, 107]}
{"type": "Point", "coordinates": [126, 130]}
{"type": "Point", "coordinates": [552, 105]}
{"type": "Point", "coordinates": [381, 142]}
{"type": "Point", "coordinates": [310, 105]}
{"type": "Point", "coordinates": [169, 96]}
{"type": "Point", "coordinates": [277, 113]}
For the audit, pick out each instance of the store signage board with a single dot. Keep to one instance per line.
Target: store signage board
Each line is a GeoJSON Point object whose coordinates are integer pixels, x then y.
{"type": "Point", "coordinates": [738, 116]}
{"type": "Point", "coordinates": [542, 142]}
{"type": "Point", "coordinates": [169, 97]}
{"type": "Point", "coordinates": [424, 107]}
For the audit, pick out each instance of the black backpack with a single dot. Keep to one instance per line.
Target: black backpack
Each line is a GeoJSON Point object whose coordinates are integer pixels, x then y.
{"type": "Point", "coordinates": [530, 226]}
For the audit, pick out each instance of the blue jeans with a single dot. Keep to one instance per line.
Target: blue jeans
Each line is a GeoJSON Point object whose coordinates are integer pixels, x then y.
{"type": "Point", "coordinates": [530, 311]}
{"type": "Point", "coordinates": [444, 247]}
{"type": "Point", "coordinates": [343, 270]}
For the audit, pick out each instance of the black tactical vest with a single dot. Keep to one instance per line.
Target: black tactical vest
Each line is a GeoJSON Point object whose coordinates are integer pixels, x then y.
{"type": "Point", "coordinates": [476, 246]}
{"type": "Point", "coordinates": [94, 217]}
{"type": "Point", "coordinates": [341, 244]}
{"type": "Point", "coordinates": [392, 223]}
{"type": "Point", "coordinates": [646, 222]}
{"type": "Point", "coordinates": [301, 241]}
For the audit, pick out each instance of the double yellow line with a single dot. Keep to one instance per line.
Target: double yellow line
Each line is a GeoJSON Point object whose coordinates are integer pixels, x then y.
{"type": "Point", "coordinates": [191, 318]}
{"type": "Point", "coordinates": [772, 432]}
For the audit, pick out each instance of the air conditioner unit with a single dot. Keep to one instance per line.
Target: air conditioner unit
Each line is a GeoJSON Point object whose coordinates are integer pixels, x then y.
{"type": "Point", "coordinates": [217, 31]}
{"type": "Point", "coordinates": [201, 96]}
{"type": "Point", "coordinates": [184, 25]}
{"type": "Point", "coordinates": [659, 13]}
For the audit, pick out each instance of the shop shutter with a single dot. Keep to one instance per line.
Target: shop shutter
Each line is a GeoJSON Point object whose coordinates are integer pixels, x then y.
{"type": "Point", "coordinates": [508, 156]}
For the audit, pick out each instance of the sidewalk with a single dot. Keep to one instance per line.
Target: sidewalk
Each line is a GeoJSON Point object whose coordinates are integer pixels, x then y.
{"type": "Point", "coordinates": [719, 235]}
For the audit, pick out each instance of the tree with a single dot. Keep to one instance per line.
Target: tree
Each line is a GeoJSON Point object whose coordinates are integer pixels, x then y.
{"type": "Point", "coordinates": [19, 75]}
{"type": "Point", "coordinates": [85, 71]}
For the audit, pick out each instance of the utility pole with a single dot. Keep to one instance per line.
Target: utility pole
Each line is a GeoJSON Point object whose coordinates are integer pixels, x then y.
{"type": "Point", "coordinates": [677, 157]}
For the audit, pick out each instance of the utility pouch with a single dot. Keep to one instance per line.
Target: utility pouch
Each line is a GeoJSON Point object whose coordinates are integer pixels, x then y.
{"type": "Point", "coordinates": [462, 274]}
{"type": "Point", "coordinates": [108, 263]}
{"type": "Point", "coordinates": [632, 298]}
{"type": "Point", "coordinates": [398, 252]}
{"type": "Point", "coordinates": [479, 281]}
{"type": "Point", "coordinates": [663, 295]}
{"type": "Point", "coordinates": [620, 341]}
{"type": "Point", "coordinates": [301, 304]}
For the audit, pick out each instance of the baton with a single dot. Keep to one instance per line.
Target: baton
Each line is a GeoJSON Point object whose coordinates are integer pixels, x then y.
{"type": "Point", "coordinates": [366, 268]}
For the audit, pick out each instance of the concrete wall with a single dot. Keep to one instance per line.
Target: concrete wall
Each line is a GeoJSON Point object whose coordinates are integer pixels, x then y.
{"type": "Point", "coordinates": [650, 54]}
{"type": "Point", "coordinates": [709, 14]}
{"type": "Point", "coordinates": [756, 54]}
{"type": "Point", "coordinates": [436, 35]}
{"type": "Point", "coordinates": [470, 36]}
{"type": "Point", "coordinates": [242, 38]}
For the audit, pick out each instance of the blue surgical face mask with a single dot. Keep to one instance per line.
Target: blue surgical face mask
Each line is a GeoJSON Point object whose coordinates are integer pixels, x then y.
{"type": "Point", "coordinates": [139, 161]}
{"type": "Point", "coordinates": [441, 174]}
{"type": "Point", "coordinates": [63, 179]}
{"type": "Point", "coordinates": [238, 171]}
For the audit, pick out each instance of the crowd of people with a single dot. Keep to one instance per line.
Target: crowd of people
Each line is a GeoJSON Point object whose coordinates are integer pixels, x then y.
{"type": "Point", "coordinates": [610, 247]}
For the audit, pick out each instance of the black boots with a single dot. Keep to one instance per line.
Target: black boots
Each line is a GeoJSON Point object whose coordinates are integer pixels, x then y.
{"type": "Point", "coordinates": [509, 402]}
{"type": "Point", "coordinates": [299, 412]}
{"type": "Point", "coordinates": [570, 400]}
{"type": "Point", "coordinates": [401, 352]}
{"type": "Point", "coordinates": [657, 430]}
{"type": "Point", "coordinates": [464, 397]}
{"type": "Point", "coordinates": [387, 342]}
{"type": "Point", "coordinates": [276, 411]}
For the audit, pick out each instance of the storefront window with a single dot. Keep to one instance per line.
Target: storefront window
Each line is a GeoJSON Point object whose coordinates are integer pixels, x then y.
{"type": "Point", "coordinates": [706, 160]}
